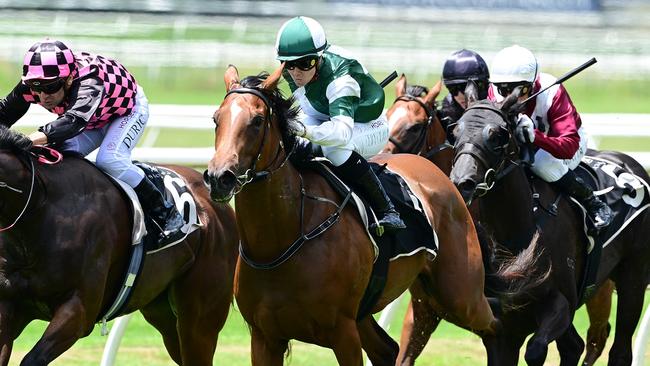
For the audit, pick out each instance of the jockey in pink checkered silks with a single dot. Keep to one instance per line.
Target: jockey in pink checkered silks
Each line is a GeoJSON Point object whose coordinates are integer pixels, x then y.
{"type": "Point", "coordinates": [99, 105]}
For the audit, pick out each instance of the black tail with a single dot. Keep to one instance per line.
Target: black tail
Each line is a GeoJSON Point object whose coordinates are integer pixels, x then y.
{"type": "Point", "coordinates": [513, 279]}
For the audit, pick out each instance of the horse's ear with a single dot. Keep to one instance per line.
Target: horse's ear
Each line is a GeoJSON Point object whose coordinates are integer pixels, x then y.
{"type": "Point", "coordinates": [231, 77]}
{"type": "Point", "coordinates": [271, 82]}
{"type": "Point", "coordinates": [430, 99]}
{"type": "Point", "coordinates": [400, 86]}
{"type": "Point", "coordinates": [471, 93]}
{"type": "Point", "coordinates": [510, 101]}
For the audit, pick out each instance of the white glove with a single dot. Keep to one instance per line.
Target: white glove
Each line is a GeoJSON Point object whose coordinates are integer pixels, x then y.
{"type": "Point", "coordinates": [525, 130]}
{"type": "Point", "coordinates": [298, 129]}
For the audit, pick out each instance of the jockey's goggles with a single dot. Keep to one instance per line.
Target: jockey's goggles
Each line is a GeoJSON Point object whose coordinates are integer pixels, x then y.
{"type": "Point", "coordinates": [506, 89]}
{"type": "Point", "coordinates": [45, 86]}
{"type": "Point", "coordinates": [304, 63]}
{"type": "Point", "coordinates": [454, 89]}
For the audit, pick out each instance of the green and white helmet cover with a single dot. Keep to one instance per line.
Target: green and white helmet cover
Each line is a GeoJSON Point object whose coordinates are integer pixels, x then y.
{"type": "Point", "coordinates": [299, 37]}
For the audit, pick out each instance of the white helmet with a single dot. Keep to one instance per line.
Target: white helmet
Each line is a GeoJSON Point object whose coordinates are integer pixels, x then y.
{"type": "Point", "coordinates": [514, 64]}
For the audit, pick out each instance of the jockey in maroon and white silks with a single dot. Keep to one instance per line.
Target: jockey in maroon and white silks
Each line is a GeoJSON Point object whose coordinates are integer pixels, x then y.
{"type": "Point", "coordinates": [99, 105]}
{"type": "Point", "coordinates": [551, 123]}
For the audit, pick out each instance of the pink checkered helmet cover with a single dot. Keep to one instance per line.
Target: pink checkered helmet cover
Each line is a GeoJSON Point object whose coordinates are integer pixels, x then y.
{"type": "Point", "coordinates": [49, 59]}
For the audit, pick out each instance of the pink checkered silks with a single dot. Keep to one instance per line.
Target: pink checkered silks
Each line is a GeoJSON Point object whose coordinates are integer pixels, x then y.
{"type": "Point", "coordinates": [120, 88]}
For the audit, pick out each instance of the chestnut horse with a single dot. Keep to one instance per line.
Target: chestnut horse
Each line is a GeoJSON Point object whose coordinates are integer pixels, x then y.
{"type": "Point", "coordinates": [66, 245]}
{"type": "Point", "coordinates": [311, 290]}
{"type": "Point", "coordinates": [487, 165]}
{"type": "Point", "coordinates": [415, 128]}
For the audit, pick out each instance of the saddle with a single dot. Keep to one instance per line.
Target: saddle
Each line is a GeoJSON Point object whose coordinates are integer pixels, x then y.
{"type": "Point", "coordinates": [418, 236]}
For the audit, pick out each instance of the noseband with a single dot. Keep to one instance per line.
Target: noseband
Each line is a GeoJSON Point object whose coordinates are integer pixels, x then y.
{"type": "Point", "coordinates": [421, 139]}
{"type": "Point", "coordinates": [251, 174]}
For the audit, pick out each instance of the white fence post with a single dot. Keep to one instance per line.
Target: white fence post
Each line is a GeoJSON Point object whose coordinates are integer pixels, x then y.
{"type": "Point", "coordinates": [114, 339]}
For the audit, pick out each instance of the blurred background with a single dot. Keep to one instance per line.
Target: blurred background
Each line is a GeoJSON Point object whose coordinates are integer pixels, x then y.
{"type": "Point", "coordinates": [179, 49]}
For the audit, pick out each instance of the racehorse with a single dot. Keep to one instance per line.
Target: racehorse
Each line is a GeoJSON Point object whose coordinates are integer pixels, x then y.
{"type": "Point", "coordinates": [65, 248]}
{"type": "Point", "coordinates": [416, 129]}
{"type": "Point", "coordinates": [310, 288]}
{"type": "Point", "coordinates": [487, 164]}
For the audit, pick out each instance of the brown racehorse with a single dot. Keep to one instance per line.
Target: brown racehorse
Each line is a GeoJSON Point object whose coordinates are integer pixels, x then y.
{"type": "Point", "coordinates": [416, 129]}
{"type": "Point", "coordinates": [312, 293]}
{"type": "Point", "coordinates": [65, 248]}
{"type": "Point", "coordinates": [487, 165]}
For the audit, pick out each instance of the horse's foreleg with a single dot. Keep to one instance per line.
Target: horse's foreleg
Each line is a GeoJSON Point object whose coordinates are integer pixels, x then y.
{"type": "Point", "coordinates": [265, 352]}
{"type": "Point", "coordinates": [380, 347]}
{"type": "Point", "coordinates": [11, 325]}
{"type": "Point", "coordinates": [419, 323]}
{"type": "Point", "coordinates": [68, 324]}
{"type": "Point", "coordinates": [553, 316]}
{"type": "Point", "coordinates": [570, 347]}
{"type": "Point", "coordinates": [598, 308]}
{"type": "Point", "coordinates": [346, 343]}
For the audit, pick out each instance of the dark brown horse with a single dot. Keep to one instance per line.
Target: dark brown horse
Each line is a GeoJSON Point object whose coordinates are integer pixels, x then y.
{"type": "Point", "coordinates": [416, 129]}
{"type": "Point", "coordinates": [312, 292]}
{"type": "Point", "coordinates": [65, 248]}
{"type": "Point", "coordinates": [487, 164]}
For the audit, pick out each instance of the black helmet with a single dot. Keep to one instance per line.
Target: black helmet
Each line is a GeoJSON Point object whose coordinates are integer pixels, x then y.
{"type": "Point", "coordinates": [464, 65]}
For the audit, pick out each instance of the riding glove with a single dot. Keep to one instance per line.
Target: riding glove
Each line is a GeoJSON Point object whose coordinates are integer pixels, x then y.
{"type": "Point", "coordinates": [525, 130]}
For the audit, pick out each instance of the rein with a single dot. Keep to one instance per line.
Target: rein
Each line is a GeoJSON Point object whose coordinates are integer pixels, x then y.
{"type": "Point", "coordinates": [422, 137]}
{"type": "Point", "coordinates": [29, 196]}
{"type": "Point", "coordinates": [252, 175]}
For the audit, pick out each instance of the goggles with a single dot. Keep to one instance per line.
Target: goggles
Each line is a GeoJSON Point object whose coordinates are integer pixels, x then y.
{"type": "Point", "coordinates": [506, 89]}
{"type": "Point", "coordinates": [45, 86]}
{"type": "Point", "coordinates": [304, 64]}
{"type": "Point", "coordinates": [454, 89]}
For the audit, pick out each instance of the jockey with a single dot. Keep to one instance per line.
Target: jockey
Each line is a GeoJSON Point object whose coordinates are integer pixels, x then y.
{"type": "Point", "coordinates": [551, 123]}
{"type": "Point", "coordinates": [99, 104]}
{"type": "Point", "coordinates": [343, 109]}
{"type": "Point", "coordinates": [461, 67]}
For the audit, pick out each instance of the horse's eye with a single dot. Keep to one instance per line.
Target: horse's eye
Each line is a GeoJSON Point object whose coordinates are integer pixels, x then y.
{"type": "Point", "coordinates": [257, 120]}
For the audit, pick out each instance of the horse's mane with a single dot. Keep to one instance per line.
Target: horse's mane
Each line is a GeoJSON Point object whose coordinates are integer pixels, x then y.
{"type": "Point", "coordinates": [284, 109]}
{"type": "Point", "coordinates": [417, 91]}
{"type": "Point", "coordinates": [13, 140]}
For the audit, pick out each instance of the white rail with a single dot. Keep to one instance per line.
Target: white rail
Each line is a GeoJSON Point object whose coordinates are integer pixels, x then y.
{"type": "Point", "coordinates": [199, 117]}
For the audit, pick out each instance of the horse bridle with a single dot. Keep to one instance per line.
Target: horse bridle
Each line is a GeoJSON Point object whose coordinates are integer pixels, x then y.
{"type": "Point", "coordinates": [422, 137]}
{"type": "Point", "coordinates": [29, 197]}
{"type": "Point", "coordinates": [505, 166]}
{"type": "Point", "coordinates": [251, 174]}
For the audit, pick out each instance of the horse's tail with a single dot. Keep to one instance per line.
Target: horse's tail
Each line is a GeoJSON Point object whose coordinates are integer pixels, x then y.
{"type": "Point", "coordinates": [512, 279]}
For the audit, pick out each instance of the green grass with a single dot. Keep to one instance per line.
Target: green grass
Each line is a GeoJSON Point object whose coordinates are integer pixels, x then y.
{"type": "Point", "coordinates": [142, 345]}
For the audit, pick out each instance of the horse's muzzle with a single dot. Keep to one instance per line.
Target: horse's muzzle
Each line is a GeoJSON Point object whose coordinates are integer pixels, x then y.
{"type": "Point", "coordinates": [221, 185]}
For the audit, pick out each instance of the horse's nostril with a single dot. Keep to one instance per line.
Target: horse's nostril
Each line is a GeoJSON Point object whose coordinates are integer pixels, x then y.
{"type": "Point", "coordinates": [227, 180]}
{"type": "Point", "coordinates": [206, 177]}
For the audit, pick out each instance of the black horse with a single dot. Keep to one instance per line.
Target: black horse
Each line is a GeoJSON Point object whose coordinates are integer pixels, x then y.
{"type": "Point", "coordinates": [65, 245]}
{"type": "Point", "coordinates": [487, 163]}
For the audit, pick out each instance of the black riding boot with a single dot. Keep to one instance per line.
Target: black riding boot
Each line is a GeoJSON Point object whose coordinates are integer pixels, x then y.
{"type": "Point", "coordinates": [598, 211]}
{"type": "Point", "coordinates": [357, 172]}
{"type": "Point", "coordinates": [163, 212]}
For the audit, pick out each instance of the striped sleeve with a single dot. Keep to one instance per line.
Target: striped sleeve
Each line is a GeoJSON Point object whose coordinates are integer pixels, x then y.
{"type": "Point", "coordinates": [343, 94]}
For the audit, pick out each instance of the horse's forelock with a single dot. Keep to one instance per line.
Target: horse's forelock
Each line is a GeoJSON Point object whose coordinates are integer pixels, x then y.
{"type": "Point", "coordinates": [417, 90]}
{"type": "Point", "coordinates": [14, 140]}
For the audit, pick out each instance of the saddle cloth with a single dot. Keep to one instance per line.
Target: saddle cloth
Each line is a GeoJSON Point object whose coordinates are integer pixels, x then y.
{"type": "Point", "coordinates": [624, 192]}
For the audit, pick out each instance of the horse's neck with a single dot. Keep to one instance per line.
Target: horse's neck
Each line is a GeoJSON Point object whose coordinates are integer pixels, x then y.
{"type": "Point", "coordinates": [508, 209]}
{"type": "Point", "coordinates": [268, 212]}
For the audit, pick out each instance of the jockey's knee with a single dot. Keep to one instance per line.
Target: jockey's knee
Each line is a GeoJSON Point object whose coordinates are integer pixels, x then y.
{"type": "Point", "coordinates": [121, 169]}
{"type": "Point", "coordinates": [336, 155]}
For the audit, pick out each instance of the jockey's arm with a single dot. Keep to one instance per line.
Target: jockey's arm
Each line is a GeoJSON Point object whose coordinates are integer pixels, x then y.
{"type": "Point", "coordinates": [14, 106]}
{"type": "Point", "coordinates": [84, 100]}
{"type": "Point", "coordinates": [562, 140]}
{"type": "Point", "coordinates": [335, 132]}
